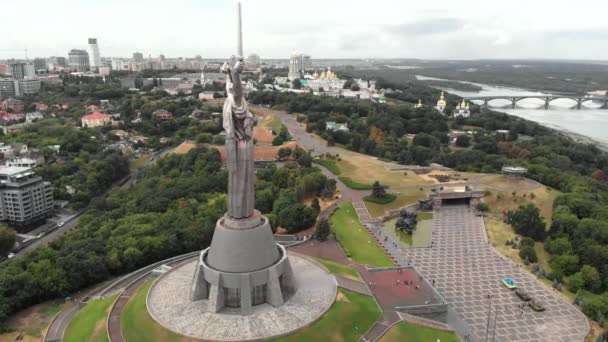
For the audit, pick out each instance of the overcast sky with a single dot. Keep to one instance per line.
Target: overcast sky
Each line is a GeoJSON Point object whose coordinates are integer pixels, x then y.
{"type": "Point", "coordinates": [465, 29]}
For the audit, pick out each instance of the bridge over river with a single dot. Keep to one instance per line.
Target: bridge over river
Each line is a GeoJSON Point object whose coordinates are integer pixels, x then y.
{"type": "Point", "coordinates": [579, 100]}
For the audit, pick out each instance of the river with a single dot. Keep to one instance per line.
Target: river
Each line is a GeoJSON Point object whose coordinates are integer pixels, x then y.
{"type": "Point", "coordinates": [589, 121]}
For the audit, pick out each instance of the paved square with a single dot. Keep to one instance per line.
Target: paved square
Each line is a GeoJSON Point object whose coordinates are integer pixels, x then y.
{"type": "Point", "coordinates": [466, 269]}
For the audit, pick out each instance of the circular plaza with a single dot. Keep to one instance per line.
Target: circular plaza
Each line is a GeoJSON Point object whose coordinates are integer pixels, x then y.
{"type": "Point", "coordinates": [169, 304]}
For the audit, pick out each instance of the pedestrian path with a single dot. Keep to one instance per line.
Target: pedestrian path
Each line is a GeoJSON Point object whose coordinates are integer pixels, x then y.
{"type": "Point", "coordinates": [468, 273]}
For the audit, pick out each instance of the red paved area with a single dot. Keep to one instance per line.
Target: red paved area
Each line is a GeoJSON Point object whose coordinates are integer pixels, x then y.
{"type": "Point", "coordinates": [393, 288]}
{"type": "Point", "coordinates": [329, 250]}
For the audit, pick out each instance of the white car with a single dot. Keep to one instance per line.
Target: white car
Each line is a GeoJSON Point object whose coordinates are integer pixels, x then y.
{"type": "Point", "coordinates": [60, 224]}
{"type": "Point", "coordinates": [11, 255]}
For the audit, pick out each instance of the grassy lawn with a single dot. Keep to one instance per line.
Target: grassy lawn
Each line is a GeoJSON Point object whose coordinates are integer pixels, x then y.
{"type": "Point", "coordinates": [355, 239]}
{"type": "Point", "coordinates": [339, 269]}
{"type": "Point", "coordinates": [504, 182]}
{"type": "Point", "coordinates": [138, 325]}
{"type": "Point", "coordinates": [329, 164]}
{"type": "Point", "coordinates": [273, 123]}
{"type": "Point", "coordinates": [499, 232]}
{"type": "Point", "coordinates": [404, 198]}
{"type": "Point", "coordinates": [405, 332]}
{"type": "Point", "coordinates": [350, 316]}
{"type": "Point", "coordinates": [505, 200]}
{"type": "Point", "coordinates": [365, 169]}
{"type": "Point", "coordinates": [90, 323]}
{"type": "Point", "coordinates": [349, 182]}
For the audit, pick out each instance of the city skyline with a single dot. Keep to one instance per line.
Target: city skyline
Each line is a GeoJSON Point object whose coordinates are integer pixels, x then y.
{"type": "Point", "coordinates": [389, 29]}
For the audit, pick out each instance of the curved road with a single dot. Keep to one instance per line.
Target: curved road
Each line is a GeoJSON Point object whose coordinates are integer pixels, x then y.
{"type": "Point", "coordinates": [60, 323]}
{"type": "Point", "coordinates": [113, 325]}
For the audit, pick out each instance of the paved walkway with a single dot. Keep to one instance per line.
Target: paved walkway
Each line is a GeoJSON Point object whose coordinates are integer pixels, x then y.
{"type": "Point", "coordinates": [466, 270]}
{"type": "Point", "coordinates": [388, 319]}
{"type": "Point", "coordinates": [352, 285]}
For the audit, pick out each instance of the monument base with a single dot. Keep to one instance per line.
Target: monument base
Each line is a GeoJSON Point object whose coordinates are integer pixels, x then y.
{"type": "Point", "coordinates": [243, 267]}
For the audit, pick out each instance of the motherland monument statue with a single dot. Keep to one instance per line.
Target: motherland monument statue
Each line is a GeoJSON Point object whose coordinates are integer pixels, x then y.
{"type": "Point", "coordinates": [238, 125]}
{"type": "Point", "coordinates": [244, 266]}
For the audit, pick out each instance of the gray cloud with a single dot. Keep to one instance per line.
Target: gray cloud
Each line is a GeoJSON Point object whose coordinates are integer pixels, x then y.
{"type": "Point", "coordinates": [595, 34]}
{"type": "Point", "coordinates": [428, 26]}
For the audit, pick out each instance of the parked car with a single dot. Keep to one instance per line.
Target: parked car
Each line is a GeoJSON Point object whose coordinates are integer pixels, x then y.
{"type": "Point", "coordinates": [60, 224]}
{"type": "Point", "coordinates": [536, 305]}
{"type": "Point", "coordinates": [11, 255]}
{"type": "Point", "coordinates": [523, 295]}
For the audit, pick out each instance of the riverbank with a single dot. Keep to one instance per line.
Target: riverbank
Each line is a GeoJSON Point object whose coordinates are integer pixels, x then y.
{"type": "Point", "coordinates": [580, 138]}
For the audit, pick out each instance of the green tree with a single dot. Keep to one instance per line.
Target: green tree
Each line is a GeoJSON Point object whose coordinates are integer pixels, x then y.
{"type": "Point", "coordinates": [7, 239]}
{"type": "Point", "coordinates": [463, 141]}
{"type": "Point", "coordinates": [558, 246]}
{"type": "Point", "coordinates": [304, 160]}
{"type": "Point", "coordinates": [565, 264]}
{"type": "Point", "coordinates": [315, 205]}
{"type": "Point", "coordinates": [284, 152]}
{"type": "Point", "coordinates": [527, 221]}
{"type": "Point", "coordinates": [591, 278]}
{"type": "Point", "coordinates": [323, 229]}
{"type": "Point", "coordinates": [528, 253]}
{"type": "Point", "coordinates": [378, 190]}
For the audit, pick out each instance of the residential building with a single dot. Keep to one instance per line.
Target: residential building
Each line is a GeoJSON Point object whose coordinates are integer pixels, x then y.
{"type": "Point", "coordinates": [24, 196]}
{"type": "Point", "coordinates": [206, 95]}
{"type": "Point", "coordinates": [4, 68]}
{"type": "Point", "coordinates": [16, 106]}
{"type": "Point", "coordinates": [31, 117]}
{"type": "Point", "coordinates": [162, 115]}
{"type": "Point", "coordinates": [96, 119]}
{"type": "Point", "coordinates": [104, 70]}
{"type": "Point", "coordinates": [94, 58]}
{"type": "Point", "coordinates": [254, 60]}
{"type": "Point", "coordinates": [462, 110]}
{"type": "Point", "coordinates": [22, 162]}
{"type": "Point", "coordinates": [138, 57]}
{"type": "Point", "coordinates": [12, 150]}
{"type": "Point", "coordinates": [333, 126]}
{"type": "Point", "coordinates": [9, 87]}
{"type": "Point", "coordinates": [21, 70]}
{"type": "Point", "coordinates": [29, 85]}
{"type": "Point", "coordinates": [295, 66]}
{"type": "Point", "coordinates": [78, 60]}
{"type": "Point", "coordinates": [56, 63]}
{"type": "Point", "coordinates": [50, 79]}
{"type": "Point", "coordinates": [441, 103]}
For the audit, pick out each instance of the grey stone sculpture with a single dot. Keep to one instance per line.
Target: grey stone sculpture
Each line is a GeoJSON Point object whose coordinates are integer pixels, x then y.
{"type": "Point", "coordinates": [238, 124]}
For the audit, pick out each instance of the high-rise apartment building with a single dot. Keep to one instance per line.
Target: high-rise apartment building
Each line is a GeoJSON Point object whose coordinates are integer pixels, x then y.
{"type": "Point", "coordinates": [78, 60]}
{"type": "Point", "coordinates": [9, 87]}
{"type": "Point", "coordinates": [254, 60]}
{"type": "Point", "coordinates": [138, 57]}
{"type": "Point", "coordinates": [94, 57]}
{"type": "Point", "coordinates": [20, 71]}
{"type": "Point", "coordinates": [24, 196]}
{"type": "Point", "coordinates": [298, 64]}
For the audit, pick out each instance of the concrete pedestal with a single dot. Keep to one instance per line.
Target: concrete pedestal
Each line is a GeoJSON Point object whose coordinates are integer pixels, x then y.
{"type": "Point", "coordinates": [243, 265]}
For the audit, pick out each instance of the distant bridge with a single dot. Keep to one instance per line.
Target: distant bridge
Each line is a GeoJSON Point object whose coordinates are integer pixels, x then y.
{"type": "Point", "coordinates": [547, 98]}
